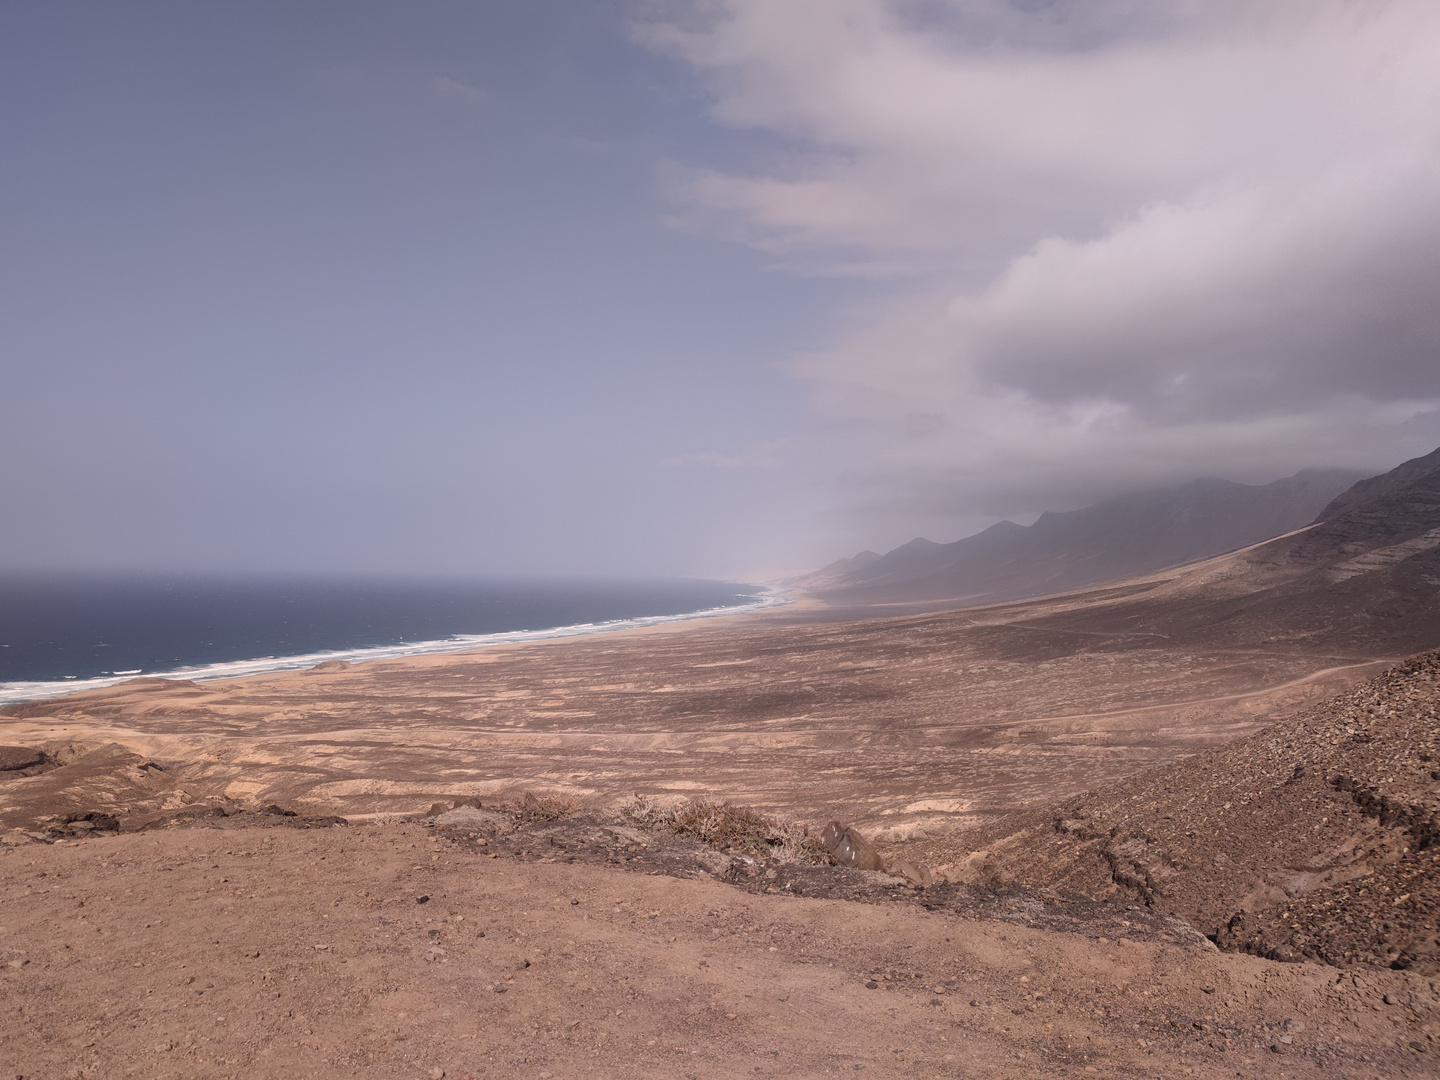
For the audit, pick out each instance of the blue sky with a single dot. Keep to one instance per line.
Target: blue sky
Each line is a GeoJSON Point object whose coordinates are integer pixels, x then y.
{"type": "Point", "coordinates": [305, 286]}
{"type": "Point", "coordinates": [526, 286]}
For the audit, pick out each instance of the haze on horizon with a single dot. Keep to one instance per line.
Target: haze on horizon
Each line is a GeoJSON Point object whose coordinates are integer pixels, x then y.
{"type": "Point", "coordinates": [716, 288]}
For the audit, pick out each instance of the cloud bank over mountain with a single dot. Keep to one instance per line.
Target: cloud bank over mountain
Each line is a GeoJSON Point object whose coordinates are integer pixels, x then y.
{"type": "Point", "coordinates": [1112, 243]}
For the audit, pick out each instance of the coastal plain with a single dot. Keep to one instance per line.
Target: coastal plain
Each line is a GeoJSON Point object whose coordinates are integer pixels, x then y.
{"type": "Point", "coordinates": [902, 725]}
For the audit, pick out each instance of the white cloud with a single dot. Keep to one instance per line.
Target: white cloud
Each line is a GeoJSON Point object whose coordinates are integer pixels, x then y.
{"type": "Point", "coordinates": [1136, 241]}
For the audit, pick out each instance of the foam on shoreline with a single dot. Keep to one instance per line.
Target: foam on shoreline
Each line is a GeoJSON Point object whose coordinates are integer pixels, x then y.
{"type": "Point", "coordinates": [12, 693]}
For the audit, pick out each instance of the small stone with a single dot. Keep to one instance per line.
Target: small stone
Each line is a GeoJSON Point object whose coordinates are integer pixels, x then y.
{"type": "Point", "coordinates": [974, 1004]}
{"type": "Point", "coordinates": [1418, 1047]}
{"type": "Point", "coordinates": [422, 899]}
{"type": "Point", "coordinates": [522, 965]}
{"type": "Point", "coordinates": [731, 1016]}
{"type": "Point", "coordinates": [1293, 1025]}
{"type": "Point", "coordinates": [872, 985]}
{"type": "Point", "coordinates": [1390, 999]}
{"type": "Point", "coordinates": [437, 1074]}
{"type": "Point", "coordinates": [1207, 989]}
{"type": "Point", "coordinates": [574, 901]}
{"type": "Point", "coordinates": [500, 988]}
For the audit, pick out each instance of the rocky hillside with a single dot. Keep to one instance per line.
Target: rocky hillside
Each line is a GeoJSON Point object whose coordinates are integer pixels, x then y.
{"type": "Point", "coordinates": [1318, 837]}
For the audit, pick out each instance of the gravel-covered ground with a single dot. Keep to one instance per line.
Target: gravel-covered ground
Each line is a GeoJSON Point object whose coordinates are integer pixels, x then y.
{"type": "Point", "coordinates": [412, 950]}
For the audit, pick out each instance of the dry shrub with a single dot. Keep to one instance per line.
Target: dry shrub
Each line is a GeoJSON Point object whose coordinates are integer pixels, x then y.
{"type": "Point", "coordinates": [532, 807]}
{"type": "Point", "coordinates": [727, 827]}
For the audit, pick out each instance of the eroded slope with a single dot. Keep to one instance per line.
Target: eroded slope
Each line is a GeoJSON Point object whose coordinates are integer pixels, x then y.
{"type": "Point", "coordinates": [1315, 838]}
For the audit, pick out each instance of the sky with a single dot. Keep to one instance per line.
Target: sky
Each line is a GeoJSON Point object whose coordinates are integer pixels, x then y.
{"type": "Point", "coordinates": [721, 288]}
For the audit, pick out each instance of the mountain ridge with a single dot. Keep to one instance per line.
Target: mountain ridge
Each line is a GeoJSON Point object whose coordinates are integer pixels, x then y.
{"type": "Point", "coordinates": [1110, 540]}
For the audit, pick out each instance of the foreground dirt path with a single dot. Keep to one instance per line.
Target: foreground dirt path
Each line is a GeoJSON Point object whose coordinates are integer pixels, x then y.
{"type": "Point", "coordinates": [280, 953]}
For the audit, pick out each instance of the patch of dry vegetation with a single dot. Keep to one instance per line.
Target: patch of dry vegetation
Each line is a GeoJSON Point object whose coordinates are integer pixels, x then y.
{"type": "Point", "coordinates": [720, 825]}
{"type": "Point", "coordinates": [532, 807]}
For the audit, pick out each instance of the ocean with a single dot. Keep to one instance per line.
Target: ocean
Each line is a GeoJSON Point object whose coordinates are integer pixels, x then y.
{"type": "Point", "coordinates": [59, 634]}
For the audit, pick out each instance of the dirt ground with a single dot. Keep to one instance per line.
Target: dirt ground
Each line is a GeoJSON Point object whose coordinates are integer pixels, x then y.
{"type": "Point", "coordinates": [401, 951]}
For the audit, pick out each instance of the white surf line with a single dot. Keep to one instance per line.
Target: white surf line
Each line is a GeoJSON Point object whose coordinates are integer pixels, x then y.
{"type": "Point", "coordinates": [12, 693]}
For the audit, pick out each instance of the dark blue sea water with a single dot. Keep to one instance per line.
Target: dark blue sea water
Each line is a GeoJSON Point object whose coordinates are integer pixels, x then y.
{"type": "Point", "coordinates": [61, 634]}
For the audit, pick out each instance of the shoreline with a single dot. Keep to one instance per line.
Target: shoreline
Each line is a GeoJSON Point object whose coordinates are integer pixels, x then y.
{"type": "Point", "coordinates": [18, 692]}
